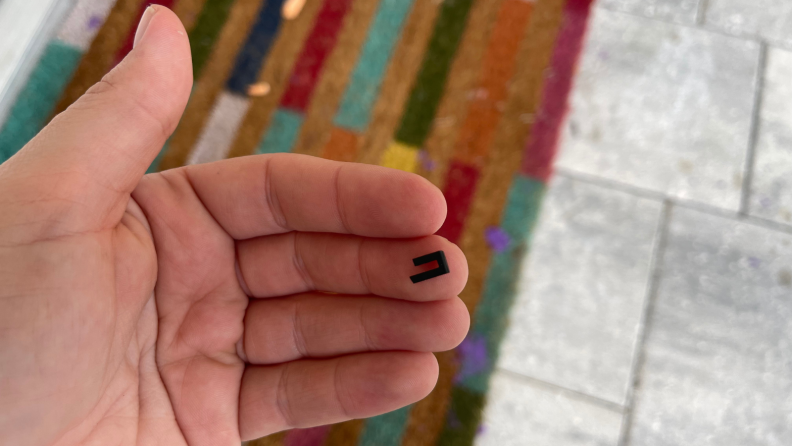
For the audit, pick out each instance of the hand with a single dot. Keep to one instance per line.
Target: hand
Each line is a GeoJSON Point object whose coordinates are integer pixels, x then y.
{"type": "Point", "coordinates": [209, 304]}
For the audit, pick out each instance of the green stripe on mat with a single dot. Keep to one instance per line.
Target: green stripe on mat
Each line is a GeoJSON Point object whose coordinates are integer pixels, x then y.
{"type": "Point", "coordinates": [154, 167]}
{"type": "Point", "coordinates": [463, 419]}
{"type": "Point", "coordinates": [386, 429]}
{"type": "Point", "coordinates": [492, 312]}
{"type": "Point", "coordinates": [35, 102]}
{"type": "Point", "coordinates": [428, 89]}
{"type": "Point", "coordinates": [207, 27]}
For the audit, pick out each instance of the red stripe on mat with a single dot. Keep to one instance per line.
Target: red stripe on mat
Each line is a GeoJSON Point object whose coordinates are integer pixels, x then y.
{"type": "Point", "coordinates": [314, 436]}
{"type": "Point", "coordinates": [541, 147]}
{"type": "Point", "coordinates": [130, 40]}
{"type": "Point", "coordinates": [317, 48]}
{"type": "Point", "coordinates": [460, 185]}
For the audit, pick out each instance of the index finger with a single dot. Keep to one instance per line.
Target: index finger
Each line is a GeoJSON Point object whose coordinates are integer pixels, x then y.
{"type": "Point", "coordinates": [270, 194]}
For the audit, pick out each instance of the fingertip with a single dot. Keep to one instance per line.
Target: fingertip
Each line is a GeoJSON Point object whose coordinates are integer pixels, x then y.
{"type": "Point", "coordinates": [430, 205]}
{"type": "Point", "coordinates": [415, 375]}
{"type": "Point", "coordinates": [393, 203]}
{"type": "Point", "coordinates": [454, 323]}
{"type": "Point", "coordinates": [160, 25]}
{"type": "Point", "coordinates": [162, 55]}
{"type": "Point", "coordinates": [457, 263]}
{"type": "Point", "coordinates": [393, 380]}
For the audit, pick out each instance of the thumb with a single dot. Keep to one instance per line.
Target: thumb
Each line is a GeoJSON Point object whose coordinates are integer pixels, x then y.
{"type": "Point", "coordinates": [78, 173]}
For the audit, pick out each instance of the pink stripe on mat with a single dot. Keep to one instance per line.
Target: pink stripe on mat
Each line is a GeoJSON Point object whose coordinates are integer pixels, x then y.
{"type": "Point", "coordinates": [314, 436]}
{"type": "Point", "coordinates": [130, 40]}
{"type": "Point", "coordinates": [318, 46]}
{"type": "Point", "coordinates": [542, 145]}
{"type": "Point", "coordinates": [460, 186]}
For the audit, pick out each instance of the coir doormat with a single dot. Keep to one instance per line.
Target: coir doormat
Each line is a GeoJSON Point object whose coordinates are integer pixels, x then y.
{"type": "Point", "coordinates": [468, 93]}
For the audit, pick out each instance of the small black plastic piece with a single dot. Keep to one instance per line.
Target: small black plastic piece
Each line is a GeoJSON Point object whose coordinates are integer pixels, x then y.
{"type": "Point", "coordinates": [442, 266]}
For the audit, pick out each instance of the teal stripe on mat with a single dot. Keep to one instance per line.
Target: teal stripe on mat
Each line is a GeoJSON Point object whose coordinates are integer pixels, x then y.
{"type": "Point", "coordinates": [154, 167]}
{"type": "Point", "coordinates": [492, 312]}
{"type": "Point", "coordinates": [386, 429]}
{"type": "Point", "coordinates": [365, 82]}
{"type": "Point", "coordinates": [282, 133]}
{"type": "Point", "coordinates": [38, 97]}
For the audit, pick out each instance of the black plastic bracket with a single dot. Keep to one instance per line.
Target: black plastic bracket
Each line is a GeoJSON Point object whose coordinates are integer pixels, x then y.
{"type": "Point", "coordinates": [442, 266]}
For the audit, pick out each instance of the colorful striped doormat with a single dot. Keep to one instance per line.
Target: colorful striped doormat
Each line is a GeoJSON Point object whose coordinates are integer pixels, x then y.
{"type": "Point", "coordinates": [468, 93]}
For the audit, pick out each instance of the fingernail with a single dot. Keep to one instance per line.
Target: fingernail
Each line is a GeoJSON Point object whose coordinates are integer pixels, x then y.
{"type": "Point", "coordinates": [144, 23]}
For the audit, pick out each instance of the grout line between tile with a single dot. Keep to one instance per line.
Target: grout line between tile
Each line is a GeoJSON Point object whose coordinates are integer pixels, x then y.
{"type": "Point", "coordinates": [767, 224]}
{"type": "Point", "coordinates": [574, 394]}
{"type": "Point", "coordinates": [696, 26]}
{"type": "Point", "coordinates": [644, 327]}
{"type": "Point", "coordinates": [608, 183]}
{"type": "Point", "coordinates": [677, 202]}
{"type": "Point", "coordinates": [701, 12]}
{"type": "Point", "coordinates": [753, 136]}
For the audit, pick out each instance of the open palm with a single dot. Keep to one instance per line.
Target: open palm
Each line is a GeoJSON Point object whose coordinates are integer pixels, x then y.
{"type": "Point", "coordinates": [210, 304]}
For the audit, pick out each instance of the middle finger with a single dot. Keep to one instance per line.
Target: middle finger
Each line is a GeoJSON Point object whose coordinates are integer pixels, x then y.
{"type": "Point", "coordinates": [295, 262]}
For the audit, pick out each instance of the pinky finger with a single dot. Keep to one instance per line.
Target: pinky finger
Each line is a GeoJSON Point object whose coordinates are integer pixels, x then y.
{"type": "Point", "coordinates": [308, 393]}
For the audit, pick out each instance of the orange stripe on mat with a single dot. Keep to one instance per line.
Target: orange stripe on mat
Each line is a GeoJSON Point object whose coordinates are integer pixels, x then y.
{"type": "Point", "coordinates": [506, 153]}
{"type": "Point", "coordinates": [342, 145]}
{"type": "Point", "coordinates": [462, 80]}
{"type": "Point", "coordinates": [488, 102]}
{"type": "Point", "coordinates": [486, 108]}
{"type": "Point", "coordinates": [524, 92]}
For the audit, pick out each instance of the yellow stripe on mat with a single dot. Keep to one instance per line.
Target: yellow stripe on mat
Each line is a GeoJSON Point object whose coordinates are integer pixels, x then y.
{"type": "Point", "coordinates": [400, 156]}
{"type": "Point", "coordinates": [404, 64]}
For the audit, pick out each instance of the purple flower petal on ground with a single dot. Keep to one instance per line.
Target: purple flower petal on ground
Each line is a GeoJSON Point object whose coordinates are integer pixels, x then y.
{"type": "Point", "coordinates": [426, 161]}
{"type": "Point", "coordinates": [94, 22]}
{"type": "Point", "coordinates": [453, 421]}
{"type": "Point", "coordinates": [497, 238]}
{"type": "Point", "coordinates": [473, 355]}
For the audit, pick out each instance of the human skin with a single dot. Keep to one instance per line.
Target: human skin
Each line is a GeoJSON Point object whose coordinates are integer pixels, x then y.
{"type": "Point", "coordinates": [213, 303]}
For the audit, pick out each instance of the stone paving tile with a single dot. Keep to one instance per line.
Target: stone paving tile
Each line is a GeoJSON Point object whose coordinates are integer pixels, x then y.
{"type": "Point", "coordinates": [771, 191]}
{"type": "Point", "coordinates": [769, 19]}
{"type": "Point", "coordinates": [519, 414]}
{"type": "Point", "coordinates": [581, 290]}
{"type": "Point", "coordinates": [718, 364]}
{"type": "Point", "coordinates": [663, 107]}
{"type": "Point", "coordinates": [679, 11]}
